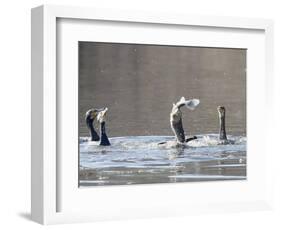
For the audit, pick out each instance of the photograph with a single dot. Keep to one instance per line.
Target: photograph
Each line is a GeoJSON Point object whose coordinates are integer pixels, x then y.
{"type": "Point", "coordinates": [153, 113]}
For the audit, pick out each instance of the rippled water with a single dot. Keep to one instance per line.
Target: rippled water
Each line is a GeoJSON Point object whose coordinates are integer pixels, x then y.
{"type": "Point", "coordinates": [141, 160]}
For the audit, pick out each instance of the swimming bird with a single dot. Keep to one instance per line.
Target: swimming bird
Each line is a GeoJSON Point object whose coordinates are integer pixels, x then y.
{"type": "Point", "coordinates": [89, 118]}
{"type": "Point", "coordinates": [222, 133]}
{"type": "Point", "coordinates": [176, 118]}
{"type": "Point", "coordinates": [101, 119]}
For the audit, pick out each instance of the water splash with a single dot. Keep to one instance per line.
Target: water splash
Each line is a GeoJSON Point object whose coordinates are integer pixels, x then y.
{"type": "Point", "coordinates": [134, 155]}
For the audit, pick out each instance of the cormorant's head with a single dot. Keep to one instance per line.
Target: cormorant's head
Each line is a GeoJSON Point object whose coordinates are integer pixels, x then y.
{"type": "Point", "coordinates": [221, 111]}
{"type": "Point", "coordinates": [92, 114]}
{"type": "Point", "coordinates": [102, 115]}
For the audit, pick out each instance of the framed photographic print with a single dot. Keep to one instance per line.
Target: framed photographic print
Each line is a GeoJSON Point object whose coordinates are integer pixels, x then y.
{"type": "Point", "coordinates": [140, 114]}
{"type": "Point", "coordinates": [139, 94]}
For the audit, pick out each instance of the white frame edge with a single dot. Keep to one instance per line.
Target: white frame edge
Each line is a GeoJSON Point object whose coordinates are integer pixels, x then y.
{"type": "Point", "coordinates": [43, 86]}
{"type": "Point", "coordinates": [37, 115]}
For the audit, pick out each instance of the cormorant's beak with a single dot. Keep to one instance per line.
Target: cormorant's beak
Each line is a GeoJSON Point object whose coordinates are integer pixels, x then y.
{"type": "Point", "coordinates": [105, 110]}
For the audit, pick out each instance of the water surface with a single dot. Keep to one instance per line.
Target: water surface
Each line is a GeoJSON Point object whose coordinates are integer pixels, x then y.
{"type": "Point", "coordinates": [138, 160]}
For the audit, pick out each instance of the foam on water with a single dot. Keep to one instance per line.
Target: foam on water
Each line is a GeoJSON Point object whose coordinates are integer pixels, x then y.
{"type": "Point", "coordinates": [132, 154]}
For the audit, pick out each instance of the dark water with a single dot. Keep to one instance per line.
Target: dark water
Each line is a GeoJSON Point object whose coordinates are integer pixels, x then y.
{"type": "Point", "coordinates": [138, 84]}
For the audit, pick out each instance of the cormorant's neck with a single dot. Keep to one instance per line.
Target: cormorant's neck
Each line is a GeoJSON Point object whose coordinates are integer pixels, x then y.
{"type": "Point", "coordinates": [222, 128]}
{"type": "Point", "coordinates": [178, 130]}
{"type": "Point", "coordinates": [93, 133]}
{"type": "Point", "coordinates": [104, 139]}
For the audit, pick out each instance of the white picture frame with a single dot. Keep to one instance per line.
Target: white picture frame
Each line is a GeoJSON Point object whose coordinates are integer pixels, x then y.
{"type": "Point", "coordinates": [47, 175]}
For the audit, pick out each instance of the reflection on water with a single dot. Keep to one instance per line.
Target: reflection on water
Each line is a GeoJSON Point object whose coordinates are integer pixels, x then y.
{"type": "Point", "coordinates": [140, 160]}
